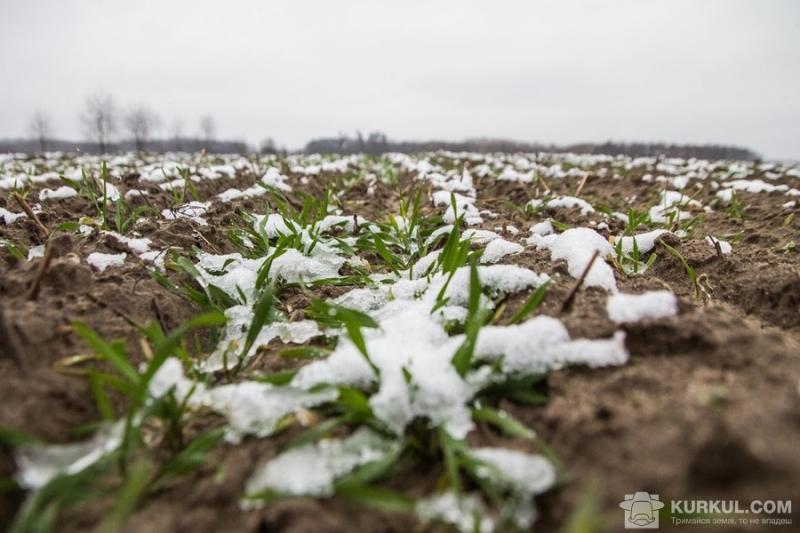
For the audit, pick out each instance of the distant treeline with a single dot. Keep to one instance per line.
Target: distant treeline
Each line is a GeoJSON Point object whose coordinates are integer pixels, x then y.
{"type": "Point", "coordinates": [180, 144]}
{"type": "Point", "coordinates": [378, 143]}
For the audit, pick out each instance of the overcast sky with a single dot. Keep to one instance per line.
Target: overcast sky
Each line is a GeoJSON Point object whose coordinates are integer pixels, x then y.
{"type": "Point", "coordinates": [560, 71]}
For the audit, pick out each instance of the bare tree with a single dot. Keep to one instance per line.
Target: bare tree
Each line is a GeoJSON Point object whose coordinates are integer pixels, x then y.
{"type": "Point", "coordinates": [100, 119]}
{"type": "Point", "coordinates": [268, 146]}
{"type": "Point", "coordinates": [177, 135]}
{"type": "Point", "coordinates": [141, 122]}
{"type": "Point", "coordinates": [207, 129]}
{"type": "Point", "coordinates": [41, 129]}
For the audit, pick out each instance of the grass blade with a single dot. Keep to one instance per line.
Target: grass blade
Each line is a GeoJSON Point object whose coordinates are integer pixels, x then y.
{"type": "Point", "coordinates": [532, 303]}
{"type": "Point", "coordinates": [118, 360]}
{"type": "Point", "coordinates": [503, 421]}
{"type": "Point", "coordinates": [475, 319]}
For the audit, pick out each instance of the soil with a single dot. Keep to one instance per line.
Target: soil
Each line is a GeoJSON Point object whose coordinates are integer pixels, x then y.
{"type": "Point", "coordinates": [708, 407]}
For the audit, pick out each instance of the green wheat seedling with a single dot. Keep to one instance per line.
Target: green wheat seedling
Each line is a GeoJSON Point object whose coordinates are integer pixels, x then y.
{"type": "Point", "coordinates": [402, 240]}
{"type": "Point", "coordinates": [455, 254]}
{"type": "Point", "coordinates": [209, 297]}
{"type": "Point", "coordinates": [179, 194]}
{"type": "Point", "coordinates": [264, 313]}
{"type": "Point", "coordinates": [17, 250]}
{"type": "Point", "coordinates": [125, 215]}
{"type": "Point", "coordinates": [540, 208]}
{"type": "Point", "coordinates": [137, 472]}
{"type": "Point", "coordinates": [560, 226]}
{"type": "Point", "coordinates": [636, 219]}
{"type": "Point", "coordinates": [688, 268]}
{"type": "Point", "coordinates": [352, 321]}
{"type": "Point", "coordinates": [476, 318]}
{"type": "Point", "coordinates": [531, 304]}
{"type": "Point", "coordinates": [736, 209]}
{"type": "Point", "coordinates": [632, 263]}
{"type": "Point", "coordinates": [94, 191]}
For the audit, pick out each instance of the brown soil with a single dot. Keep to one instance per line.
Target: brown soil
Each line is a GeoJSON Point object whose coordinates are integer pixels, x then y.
{"type": "Point", "coordinates": [709, 405]}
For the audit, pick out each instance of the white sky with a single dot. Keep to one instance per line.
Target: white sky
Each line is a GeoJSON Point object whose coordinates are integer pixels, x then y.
{"type": "Point", "coordinates": [552, 71]}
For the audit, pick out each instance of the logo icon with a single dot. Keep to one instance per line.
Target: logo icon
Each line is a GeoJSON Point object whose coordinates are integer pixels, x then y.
{"type": "Point", "coordinates": [641, 510]}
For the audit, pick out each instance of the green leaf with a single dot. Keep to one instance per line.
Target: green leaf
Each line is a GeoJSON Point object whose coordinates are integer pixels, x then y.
{"type": "Point", "coordinates": [560, 226]}
{"type": "Point", "coordinates": [16, 250]}
{"type": "Point", "coordinates": [315, 433]}
{"type": "Point", "coordinates": [385, 254]}
{"type": "Point", "coordinates": [689, 270]}
{"type": "Point", "coordinates": [449, 450]}
{"type": "Point", "coordinates": [118, 360]}
{"type": "Point", "coordinates": [355, 402]}
{"type": "Point", "coordinates": [475, 320]}
{"type": "Point", "coordinates": [13, 438]}
{"type": "Point", "coordinates": [218, 295]}
{"type": "Point", "coordinates": [262, 314]}
{"type": "Point", "coordinates": [168, 345]}
{"type": "Point", "coordinates": [305, 352]}
{"type": "Point", "coordinates": [194, 454]}
{"type": "Point", "coordinates": [532, 303]}
{"type": "Point", "coordinates": [352, 320]}
{"type": "Point", "coordinates": [100, 396]}
{"type": "Point", "coordinates": [277, 378]}
{"type": "Point", "coordinates": [373, 470]}
{"type": "Point", "coordinates": [68, 226]}
{"type": "Point", "coordinates": [503, 421]}
{"type": "Point", "coordinates": [376, 497]}
{"type": "Point", "coordinates": [519, 390]}
{"type": "Point", "coordinates": [132, 490]}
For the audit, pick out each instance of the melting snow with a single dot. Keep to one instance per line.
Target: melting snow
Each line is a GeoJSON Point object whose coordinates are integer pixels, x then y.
{"type": "Point", "coordinates": [754, 186]}
{"type": "Point", "coordinates": [644, 241]}
{"type": "Point", "coordinates": [252, 408]}
{"type": "Point", "coordinates": [724, 246]}
{"type": "Point", "coordinates": [102, 261]}
{"type": "Point", "coordinates": [274, 178]}
{"type": "Point", "coordinates": [411, 342]}
{"type": "Point", "coordinates": [58, 194]}
{"type": "Point", "coordinates": [39, 464]}
{"type": "Point", "coordinates": [35, 251]}
{"type": "Point", "coordinates": [624, 308]}
{"type": "Point", "coordinates": [239, 318]}
{"type": "Point", "coordinates": [312, 469]}
{"type": "Point", "coordinates": [576, 246]}
{"type": "Point", "coordinates": [525, 474]}
{"type": "Point", "coordinates": [9, 217]}
{"type": "Point", "coordinates": [498, 249]}
{"type": "Point", "coordinates": [563, 201]}
{"type": "Point", "coordinates": [543, 344]}
{"type": "Point", "coordinates": [543, 228]}
{"type": "Point", "coordinates": [466, 512]}
{"type": "Point", "coordinates": [193, 211]}
{"type": "Point", "coordinates": [668, 208]}
{"type": "Point", "coordinates": [463, 204]}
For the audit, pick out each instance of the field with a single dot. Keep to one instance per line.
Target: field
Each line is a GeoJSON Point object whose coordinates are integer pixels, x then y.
{"type": "Point", "coordinates": [448, 341]}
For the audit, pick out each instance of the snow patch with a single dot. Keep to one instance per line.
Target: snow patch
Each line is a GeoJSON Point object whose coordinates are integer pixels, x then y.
{"type": "Point", "coordinates": [312, 469]}
{"type": "Point", "coordinates": [102, 261]}
{"type": "Point", "coordinates": [644, 241]}
{"type": "Point", "coordinates": [498, 249]}
{"type": "Point", "coordinates": [576, 246]}
{"type": "Point", "coordinates": [193, 211]}
{"type": "Point", "coordinates": [724, 246]}
{"type": "Point", "coordinates": [627, 308]}
{"type": "Point", "coordinates": [60, 193]}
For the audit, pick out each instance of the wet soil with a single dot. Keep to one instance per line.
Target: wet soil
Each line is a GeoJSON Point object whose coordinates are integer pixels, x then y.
{"type": "Point", "coordinates": [709, 406]}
